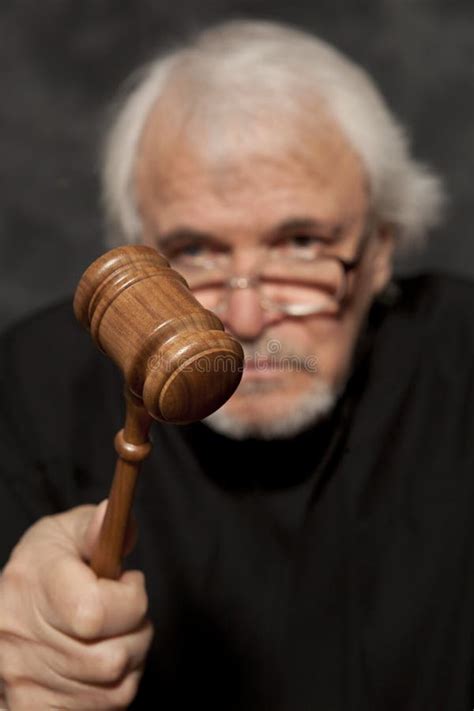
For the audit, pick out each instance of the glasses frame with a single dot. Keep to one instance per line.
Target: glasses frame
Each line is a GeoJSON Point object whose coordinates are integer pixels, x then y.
{"type": "Point", "coordinates": [252, 281]}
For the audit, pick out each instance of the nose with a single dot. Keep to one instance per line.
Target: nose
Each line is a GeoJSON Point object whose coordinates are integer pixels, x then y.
{"type": "Point", "coordinates": [243, 314]}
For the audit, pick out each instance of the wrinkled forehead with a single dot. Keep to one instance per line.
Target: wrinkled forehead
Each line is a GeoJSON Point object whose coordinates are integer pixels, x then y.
{"type": "Point", "coordinates": [220, 143]}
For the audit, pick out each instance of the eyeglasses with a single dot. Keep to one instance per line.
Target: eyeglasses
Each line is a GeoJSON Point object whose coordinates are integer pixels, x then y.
{"type": "Point", "coordinates": [292, 277]}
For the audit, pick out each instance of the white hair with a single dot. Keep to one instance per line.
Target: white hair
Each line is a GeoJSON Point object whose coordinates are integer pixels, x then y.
{"type": "Point", "coordinates": [239, 64]}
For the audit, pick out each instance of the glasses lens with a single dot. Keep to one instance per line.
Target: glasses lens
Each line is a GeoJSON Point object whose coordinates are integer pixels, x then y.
{"type": "Point", "coordinates": [297, 287]}
{"type": "Point", "coordinates": [320, 283]}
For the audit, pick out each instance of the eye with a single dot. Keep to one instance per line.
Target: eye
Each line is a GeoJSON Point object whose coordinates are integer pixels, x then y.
{"type": "Point", "coordinates": [304, 241]}
{"type": "Point", "coordinates": [193, 253]}
{"type": "Point", "coordinates": [192, 250]}
{"type": "Point", "coordinates": [299, 246]}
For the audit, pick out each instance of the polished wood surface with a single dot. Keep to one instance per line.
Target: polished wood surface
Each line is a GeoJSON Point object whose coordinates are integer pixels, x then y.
{"type": "Point", "coordinates": [174, 354]}
{"type": "Point", "coordinates": [132, 447]}
{"type": "Point", "coordinates": [178, 362]}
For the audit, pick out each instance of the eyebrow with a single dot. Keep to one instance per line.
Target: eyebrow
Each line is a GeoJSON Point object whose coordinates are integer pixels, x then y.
{"type": "Point", "coordinates": [183, 233]}
{"type": "Point", "coordinates": [332, 230]}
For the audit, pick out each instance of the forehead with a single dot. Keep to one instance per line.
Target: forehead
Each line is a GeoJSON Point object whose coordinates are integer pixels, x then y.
{"type": "Point", "coordinates": [245, 174]}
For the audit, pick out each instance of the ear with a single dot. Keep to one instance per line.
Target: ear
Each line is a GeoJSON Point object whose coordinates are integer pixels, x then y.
{"type": "Point", "coordinates": [382, 259]}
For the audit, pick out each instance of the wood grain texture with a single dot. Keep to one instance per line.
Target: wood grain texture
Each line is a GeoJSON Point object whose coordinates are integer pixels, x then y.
{"type": "Point", "coordinates": [174, 354]}
{"type": "Point", "coordinates": [132, 446]}
{"type": "Point", "coordinates": [178, 362]}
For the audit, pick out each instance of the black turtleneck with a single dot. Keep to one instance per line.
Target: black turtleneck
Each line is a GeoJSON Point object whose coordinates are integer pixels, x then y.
{"type": "Point", "coordinates": [333, 571]}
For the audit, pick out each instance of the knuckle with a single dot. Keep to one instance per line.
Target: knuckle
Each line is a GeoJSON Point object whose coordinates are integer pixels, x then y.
{"type": "Point", "coordinates": [11, 674]}
{"type": "Point", "coordinates": [110, 664]}
{"type": "Point", "coordinates": [20, 699]}
{"type": "Point", "coordinates": [88, 618]}
{"type": "Point", "coordinates": [149, 633]}
{"type": "Point", "coordinates": [15, 573]}
{"type": "Point", "coordinates": [10, 660]}
{"type": "Point", "coordinates": [124, 693]}
{"type": "Point", "coordinates": [140, 601]}
{"type": "Point", "coordinates": [46, 522]}
{"type": "Point", "coordinates": [139, 578]}
{"type": "Point", "coordinates": [38, 532]}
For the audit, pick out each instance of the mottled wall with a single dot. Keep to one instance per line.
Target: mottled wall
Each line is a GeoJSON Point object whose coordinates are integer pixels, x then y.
{"type": "Point", "coordinates": [62, 61]}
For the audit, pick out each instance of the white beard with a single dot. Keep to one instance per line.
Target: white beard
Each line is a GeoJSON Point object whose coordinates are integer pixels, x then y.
{"type": "Point", "coordinates": [311, 407]}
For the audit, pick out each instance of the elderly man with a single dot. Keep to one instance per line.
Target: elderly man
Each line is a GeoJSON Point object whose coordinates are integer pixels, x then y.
{"type": "Point", "coordinates": [309, 546]}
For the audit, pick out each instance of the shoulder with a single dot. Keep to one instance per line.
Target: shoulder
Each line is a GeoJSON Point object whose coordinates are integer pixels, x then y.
{"type": "Point", "coordinates": [416, 382]}
{"type": "Point", "coordinates": [428, 342]}
{"type": "Point", "coordinates": [40, 355]}
{"type": "Point", "coordinates": [436, 293]}
{"type": "Point", "coordinates": [51, 376]}
{"type": "Point", "coordinates": [439, 308]}
{"type": "Point", "coordinates": [53, 330]}
{"type": "Point", "coordinates": [422, 338]}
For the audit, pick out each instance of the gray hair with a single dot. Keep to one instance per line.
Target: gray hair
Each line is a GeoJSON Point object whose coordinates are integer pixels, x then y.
{"type": "Point", "coordinates": [239, 63]}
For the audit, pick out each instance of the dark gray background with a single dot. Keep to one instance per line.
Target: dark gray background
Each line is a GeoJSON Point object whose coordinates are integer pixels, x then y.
{"type": "Point", "coordinates": [63, 60]}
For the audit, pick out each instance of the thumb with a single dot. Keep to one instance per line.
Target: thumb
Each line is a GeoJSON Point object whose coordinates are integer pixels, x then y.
{"type": "Point", "coordinates": [92, 528]}
{"type": "Point", "coordinates": [94, 525]}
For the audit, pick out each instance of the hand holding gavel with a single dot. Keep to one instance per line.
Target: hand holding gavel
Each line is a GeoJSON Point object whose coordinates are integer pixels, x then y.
{"type": "Point", "coordinates": [70, 639]}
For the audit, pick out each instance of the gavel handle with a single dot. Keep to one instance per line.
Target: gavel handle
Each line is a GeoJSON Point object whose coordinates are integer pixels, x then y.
{"type": "Point", "coordinates": [132, 446]}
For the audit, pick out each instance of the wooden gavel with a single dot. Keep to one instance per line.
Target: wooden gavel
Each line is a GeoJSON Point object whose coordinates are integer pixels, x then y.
{"type": "Point", "coordinates": [179, 365]}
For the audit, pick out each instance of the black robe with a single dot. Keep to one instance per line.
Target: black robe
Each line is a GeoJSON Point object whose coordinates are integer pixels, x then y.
{"type": "Point", "coordinates": [332, 572]}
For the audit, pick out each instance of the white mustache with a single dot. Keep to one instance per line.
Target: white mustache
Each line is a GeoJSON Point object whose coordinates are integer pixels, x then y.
{"type": "Point", "coordinates": [276, 353]}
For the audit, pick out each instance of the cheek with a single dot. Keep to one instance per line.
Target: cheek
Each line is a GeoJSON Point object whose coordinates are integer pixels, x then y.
{"type": "Point", "coordinates": [337, 349]}
{"type": "Point", "coordinates": [331, 344]}
{"type": "Point", "coordinates": [326, 342]}
{"type": "Point", "coordinates": [309, 334]}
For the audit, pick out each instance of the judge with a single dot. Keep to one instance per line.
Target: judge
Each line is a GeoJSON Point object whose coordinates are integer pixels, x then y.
{"type": "Point", "coordinates": [310, 545]}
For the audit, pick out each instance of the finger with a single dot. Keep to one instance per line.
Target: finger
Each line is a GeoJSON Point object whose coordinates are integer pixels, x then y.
{"type": "Point", "coordinates": [88, 536]}
{"type": "Point", "coordinates": [125, 604]}
{"type": "Point", "coordinates": [93, 529]}
{"type": "Point", "coordinates": [76, 603]}
{"type": "Point", "coordinates": [105, 662]}
{"type": "Point", "coordinates": [52, 535]}
{"type": "Point", "coordinates": [32, 695]}
{"type": "Point", "coordinates": [77, 671]}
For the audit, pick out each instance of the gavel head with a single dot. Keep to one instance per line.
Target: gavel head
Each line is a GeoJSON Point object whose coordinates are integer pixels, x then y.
{"type": "Point", "coordinates": [174, 354]}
